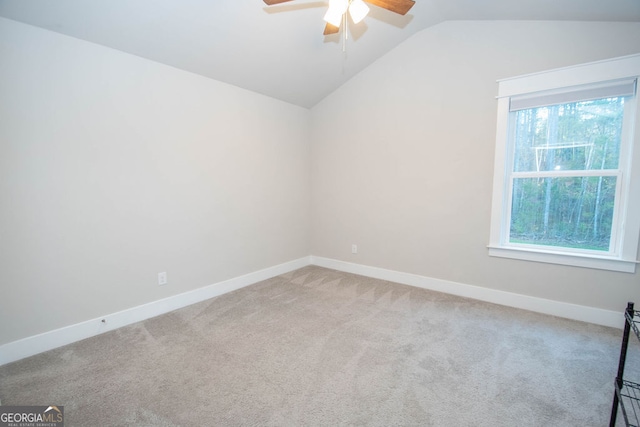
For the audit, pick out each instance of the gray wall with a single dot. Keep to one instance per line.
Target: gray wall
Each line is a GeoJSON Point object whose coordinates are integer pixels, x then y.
{"type": "Point", "coordinates": [402, 156]}
{"type": "Point", "coordinates": [114, 168]}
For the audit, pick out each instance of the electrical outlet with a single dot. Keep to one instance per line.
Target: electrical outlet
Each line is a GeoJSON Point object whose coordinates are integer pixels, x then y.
{"type": "Point", "coordinates": [354, 249]}
{"type": "Point", "coordinates": [162, 278]}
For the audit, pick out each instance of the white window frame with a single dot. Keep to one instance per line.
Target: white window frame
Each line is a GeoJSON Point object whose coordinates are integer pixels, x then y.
{"type": "Point", "coordinates": [626, 228]}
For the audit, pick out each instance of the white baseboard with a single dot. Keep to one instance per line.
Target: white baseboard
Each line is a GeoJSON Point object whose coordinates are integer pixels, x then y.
{"type": "Point", "coordinates": [555, 308]}
{"type": "Point", "coordinates": [30, 346]}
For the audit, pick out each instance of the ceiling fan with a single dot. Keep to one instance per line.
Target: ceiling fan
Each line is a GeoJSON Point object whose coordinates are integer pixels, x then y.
{"type": "Point", "coordinates": [357, 9]}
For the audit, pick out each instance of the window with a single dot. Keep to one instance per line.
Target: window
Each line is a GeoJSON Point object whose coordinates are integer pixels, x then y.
{"type": "Point", "coordinates": [567, 165]}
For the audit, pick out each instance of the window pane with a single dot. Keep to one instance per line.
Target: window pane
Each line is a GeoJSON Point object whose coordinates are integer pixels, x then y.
{"type": "Point", "coordinates": [576, 136]}
{"type": "Point", "coordinates": [573, 212]}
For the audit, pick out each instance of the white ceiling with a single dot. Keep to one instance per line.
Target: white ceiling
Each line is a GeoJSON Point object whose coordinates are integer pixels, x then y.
{"type": "Point", "coordinates": [277, 50]}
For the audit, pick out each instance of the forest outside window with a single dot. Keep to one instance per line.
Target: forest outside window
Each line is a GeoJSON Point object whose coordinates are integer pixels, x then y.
{"type": "Point", "coordinates": [564, 172]}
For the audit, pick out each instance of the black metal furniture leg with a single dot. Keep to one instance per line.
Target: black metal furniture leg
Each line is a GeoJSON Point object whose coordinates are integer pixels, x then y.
{"type": "Point", "coordinates": [621, 363]}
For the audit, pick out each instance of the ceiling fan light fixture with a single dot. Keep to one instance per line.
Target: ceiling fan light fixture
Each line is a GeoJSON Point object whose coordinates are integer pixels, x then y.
{"type": "Point", "coordinates": [337, 8]}
{"type": "Point", "coordinates": [333, 18]}
{"type": "Point", "coordinates": [358, 10]}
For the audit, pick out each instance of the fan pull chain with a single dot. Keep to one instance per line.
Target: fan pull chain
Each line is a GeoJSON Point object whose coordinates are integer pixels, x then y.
{"type": "Point", "coordinates": [346, 32]}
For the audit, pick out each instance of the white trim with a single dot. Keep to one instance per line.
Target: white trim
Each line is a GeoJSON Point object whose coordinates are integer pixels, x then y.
{"type": "Point", "coordinates": [35, 344]}
{"type": "Point", "coordinates": [540, 305]}
{"type": "Point", "coordinates": [576, 259]}
{"type": "Point", "coordinates": [500, 158]}
{"type": "Point", "coordinates": [631, 222]}
{"type": "Point", "coordinates": [599, 71]}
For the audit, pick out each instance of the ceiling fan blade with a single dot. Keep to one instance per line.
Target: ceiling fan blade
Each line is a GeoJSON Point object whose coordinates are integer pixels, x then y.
{"type": "Point", "coordinates": [397, 6]}
{"type": "Point", "coordinates": [270, 2]}
{"type": "Point", "coordinates": [330, 29]}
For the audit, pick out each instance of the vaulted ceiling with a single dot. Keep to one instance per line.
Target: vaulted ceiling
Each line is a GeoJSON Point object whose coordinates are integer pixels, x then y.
{"type": "Point", "coordinates": [277, 50]}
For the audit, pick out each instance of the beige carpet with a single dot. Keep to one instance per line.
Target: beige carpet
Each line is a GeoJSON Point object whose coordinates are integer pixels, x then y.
{"type": "Point", "coordinates": [318, 347]}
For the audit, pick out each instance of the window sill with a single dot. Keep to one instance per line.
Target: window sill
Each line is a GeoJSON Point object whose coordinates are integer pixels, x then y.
{"type": "Point", "coordinates": [563, 258]}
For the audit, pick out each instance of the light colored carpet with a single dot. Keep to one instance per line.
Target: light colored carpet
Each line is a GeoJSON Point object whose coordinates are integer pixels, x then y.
{"type": "Point", "coordinates": [319, 347]}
